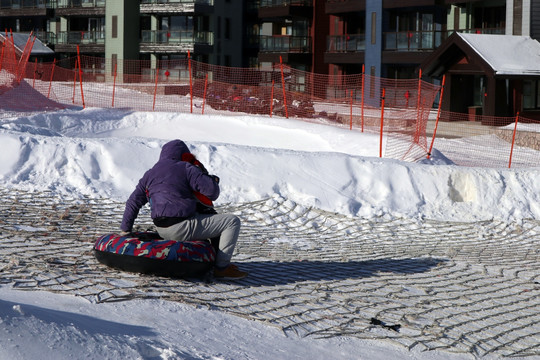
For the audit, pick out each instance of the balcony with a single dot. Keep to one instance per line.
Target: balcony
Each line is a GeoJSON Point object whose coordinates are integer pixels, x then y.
{"type": "Point", "coordinates": [79, 3]}
{"type": "Point", "coordinates": [205, 2]}
{"type": "Point", "coordinates": [345, 49]}
{"type": "Point", "coordinates": [492, 31]}
{"type": "Point", "coordinates": [80, 37]}
{"type": "Point", "coordinates": [46, 37]}
{"type": "Point", "coordinates": [426, 40]}
{"type": "Point", "coordinates": [177, 6]}
{"type": "Point", "coordinates": [344, 6]}
{"type": "Point", "coordinates": [346, 43]}
{"type": "Point", "coordinates": [280, 3]}
{"type": "Point", "coordinates": [175, 41]}
{"type": "Point", "coordinates": [20, 8]}
{"type": "Point", "coordinates": [414, 46]}
{"type": "Point", "coordinates": [285, 8]}
{"type": "Point", "coordinates": [88, 41]}
{"type": "Point", "coordinates": [290, 48]}
{"type": "Point", "coordinates": [24, 4]}
{"type": "Point", "coordinates": [413, 40]}
{"type": "Point", "coordinates": [285, 44]}
{"type": "Point", "coordinates": [80, 8]}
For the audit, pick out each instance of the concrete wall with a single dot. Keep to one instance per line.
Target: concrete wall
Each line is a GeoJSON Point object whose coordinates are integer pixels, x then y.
{"type": "Point", "coordinates": [125, 45]}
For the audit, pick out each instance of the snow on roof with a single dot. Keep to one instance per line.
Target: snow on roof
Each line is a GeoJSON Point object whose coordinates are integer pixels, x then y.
{"type": "Point", "coordinates": [507, 54]}
{"type": "Point", "coordinates": [20, 39]}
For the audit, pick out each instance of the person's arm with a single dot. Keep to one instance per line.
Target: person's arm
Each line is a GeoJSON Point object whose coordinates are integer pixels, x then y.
{"type": "Point", "coordinates": [136, 201]}
{"type": "Point", "coordinates": [208, 185]}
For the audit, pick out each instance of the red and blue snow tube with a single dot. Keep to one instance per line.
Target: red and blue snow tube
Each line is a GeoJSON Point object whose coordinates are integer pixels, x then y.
{"type": "Point", "coordinates": [148, 253]}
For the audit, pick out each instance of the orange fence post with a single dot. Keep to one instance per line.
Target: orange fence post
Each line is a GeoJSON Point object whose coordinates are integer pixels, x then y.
{"type": "Point", "coordinates": [272, 98]}
{"type": "Point", "coordinates": [13, 52]}
{"type": "Point", "coordinates": [2, 54]}
{"type": "Point", "coordinates": [35, 71]}
{"type": "Point", "coordinates": [20, 63]}
{"type": "Point", "coordinates": [351, 108]}
{"type": "Point", "coordinates": [418, 116]}
{"type": "Point", "coordinates": [23, 70]}
{"type": "Point", "coordinates": [204, 94]}
{"type": "Point", "coordinates": [80, 76]}
{"type": "Point", "coordinates": [283, 87]}
{"type": "Point", "coordinates": [382, 122]}
{"type": "Point", "coordinates": [363, 82]}
{"type": "Point", "coordinates": [438, 116]}
{"type": "Point", "coordinates": [50, 81]}
{"type": "Point", "coordinates": [155, 89]}
{"type": "Point", "coordinates": [513, 140]}
{"type": "Point", "coordinates": [75, 80]}
{"type": "Point", "coordinates": [190, 84]}
{"type": "Point", "coordinates": [114, 83]}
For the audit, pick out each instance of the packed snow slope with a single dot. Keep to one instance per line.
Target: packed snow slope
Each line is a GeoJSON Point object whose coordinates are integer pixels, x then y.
{"type": "Point", "coordinates": [103, 153]}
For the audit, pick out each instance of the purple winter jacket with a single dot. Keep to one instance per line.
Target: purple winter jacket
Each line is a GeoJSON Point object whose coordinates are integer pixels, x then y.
{"type": "Point", "coordinates": [169, 186]}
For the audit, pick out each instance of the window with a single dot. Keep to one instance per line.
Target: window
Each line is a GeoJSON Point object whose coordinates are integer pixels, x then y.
{"type": "Point", "coordinates": [531, 94]}
{"type": "Point", "coordinates": [114, 27]}
{"type": "Point", "coordinates": [177, 23]}
{"type": "Point", "coordinates": [227, 28]}
{"type": "Point", "coordinates": [372, 83]}
{"type": "Point", "coordinates": [114, 60]}
{"type": "Point", "coordinates": [373, 28]}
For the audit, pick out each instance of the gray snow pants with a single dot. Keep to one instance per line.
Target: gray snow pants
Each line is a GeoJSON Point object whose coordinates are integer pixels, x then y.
{"type": "Point", "coordinates": [207, 226]}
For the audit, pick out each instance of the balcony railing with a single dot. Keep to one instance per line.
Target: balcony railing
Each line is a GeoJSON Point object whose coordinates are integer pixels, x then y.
{"type": "Point", "coordinates": [46, 37]}
{"type": "Point", "coordinates": [163, 37]}
{"type": "Point", "coordinates": [80, 37]}
{"type": "Point", "coordinates": [492, 31]}
{"type": "Point", "coordinates": [426, 40]}
{"type": "Point", "coordinates": [202, 2]}
{"type": "Point", "coordinates": [413, 40]}
{"type": "Point", "coordinates": [285, 43]}
{"type": "Point", "coordinates": [26, 4]}
{"type": "Point", "coordinates": [346, 43]}
{"type": "Point", "coordinates": [273, 3]}
{"type": "Point", "coordinates": [80, 3]}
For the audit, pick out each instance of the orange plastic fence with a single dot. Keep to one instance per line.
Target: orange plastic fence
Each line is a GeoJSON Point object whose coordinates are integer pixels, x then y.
{"type": "Point", "coordinates": [405, 115]}
{"type": "Point", "coordinates": [489, 141]}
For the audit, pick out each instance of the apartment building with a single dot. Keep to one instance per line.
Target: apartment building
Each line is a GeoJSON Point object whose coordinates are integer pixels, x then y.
{"type": "Point", "coordinates": [222, 33]}
{"type": "Point", "coordinates": [389, 38]}
{"type": "Point", "coordinates": [293, 31]}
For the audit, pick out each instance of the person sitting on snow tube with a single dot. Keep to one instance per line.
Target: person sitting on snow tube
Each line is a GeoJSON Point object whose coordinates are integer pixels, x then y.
{"type": "Point", "coordinates": [169, 187]}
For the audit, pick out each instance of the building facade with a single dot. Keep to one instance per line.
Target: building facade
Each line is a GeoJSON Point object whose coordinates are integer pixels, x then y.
{"type": "Point", "coordinates": [391, 38]}
{"type": "Point", "coordinates": [386, 38]}
{"type": "Point", "coordinates": [221, 33]}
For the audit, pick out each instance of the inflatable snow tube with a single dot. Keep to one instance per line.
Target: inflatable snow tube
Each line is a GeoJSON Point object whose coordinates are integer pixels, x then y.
{"type": "Point", "coordinates": [148, 253]}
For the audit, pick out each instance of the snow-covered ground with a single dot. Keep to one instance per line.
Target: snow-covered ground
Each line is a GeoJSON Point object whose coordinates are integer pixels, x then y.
{"type": "Point", "coordinates": [103, 153]}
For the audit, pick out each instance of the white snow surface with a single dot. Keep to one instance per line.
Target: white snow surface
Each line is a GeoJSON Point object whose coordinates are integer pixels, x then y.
{"type": "Point", "coordinates": [103, 153]}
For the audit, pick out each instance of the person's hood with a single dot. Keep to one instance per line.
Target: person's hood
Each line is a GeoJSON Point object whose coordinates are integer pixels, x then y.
{"type": "Point", "coordinates": [173, 150]}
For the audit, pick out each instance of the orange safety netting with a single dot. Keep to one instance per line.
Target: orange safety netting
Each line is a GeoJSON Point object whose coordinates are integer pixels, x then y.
{"type": "Point", "coordinates": [487, 141]}
{"type": "Point", "coordinates": [400, 111]}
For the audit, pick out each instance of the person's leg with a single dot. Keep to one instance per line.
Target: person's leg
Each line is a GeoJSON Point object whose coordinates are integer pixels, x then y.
{"type": "Point", "coordinates": [227, 227]}
{"type": "Point", "coordinates": [203, 226]}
